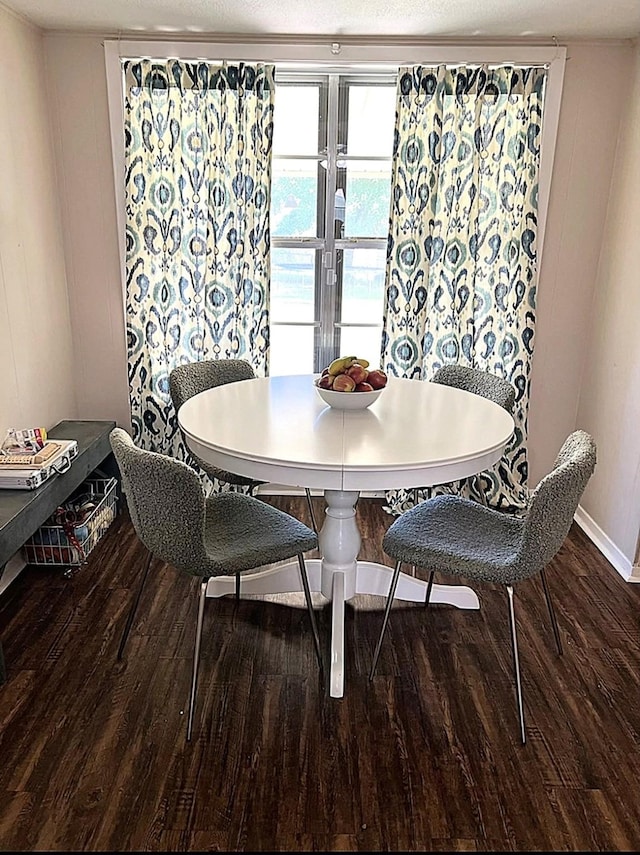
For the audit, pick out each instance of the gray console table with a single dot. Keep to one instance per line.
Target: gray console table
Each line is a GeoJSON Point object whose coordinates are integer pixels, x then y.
{"type": "Point", "coordinates": [22, 512]}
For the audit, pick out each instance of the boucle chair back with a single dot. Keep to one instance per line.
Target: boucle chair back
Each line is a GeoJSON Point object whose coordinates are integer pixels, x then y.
{"type": "Point", "coordinates": [479, 382]}
{"type": "Point", "coordinates": [554, 501]}
{"type": "Point", "coordinates": [166, 503]}
{"type": "Point", "coordinates": [188, 380]}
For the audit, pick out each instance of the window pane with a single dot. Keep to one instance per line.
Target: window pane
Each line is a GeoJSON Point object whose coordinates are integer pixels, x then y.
{"type": "Point", "coordinates": [291, 350]}
{"type": "Point", "coordinates": [368, 195]}
{"type": "Point", "coordinates": [358, 195]}
{"type": "Point", "coordinates": [372, 115]}
{"type": "Point", "coordinates": [363, 272]}
{"type": "Point", "coordinates": [362, 341]}
{"type": "Point", "coordinates": [294, 195]}
{"type": "Point", "coordinates": [295, 119]}
{"type": "Point", "coordinates": [292, 284]}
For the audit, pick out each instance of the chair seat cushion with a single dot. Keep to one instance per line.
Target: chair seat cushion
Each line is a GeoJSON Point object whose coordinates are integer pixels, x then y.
{"type": "Point", "coordinates": [454, 535]}
{"type": "Point", "coordinates": [242, 533]}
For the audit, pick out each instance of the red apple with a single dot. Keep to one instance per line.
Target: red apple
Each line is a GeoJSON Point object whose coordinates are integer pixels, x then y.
{"type": "Point", "coordinates": [358, 372]}
{"type": "Point", "coordinates": [377, 378]}
{"type": "Point", "coordinates": [343, 383]}
{"type": "Point", "coordinates": [364, 387]}
{"type": "Point", "coordinates": [326, 381]}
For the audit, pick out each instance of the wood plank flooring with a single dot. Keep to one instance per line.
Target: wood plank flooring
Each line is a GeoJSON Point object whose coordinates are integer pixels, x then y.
{"type": "Point", "coordinates": [93, 754]}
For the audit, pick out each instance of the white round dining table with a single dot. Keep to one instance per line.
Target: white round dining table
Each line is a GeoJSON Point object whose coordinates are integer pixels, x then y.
{"type": "Point", "coordinates": [278, 430]}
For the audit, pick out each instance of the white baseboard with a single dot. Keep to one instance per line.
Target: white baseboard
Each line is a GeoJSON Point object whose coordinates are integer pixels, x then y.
{"type": "Point", "coordinates": [628, 571]}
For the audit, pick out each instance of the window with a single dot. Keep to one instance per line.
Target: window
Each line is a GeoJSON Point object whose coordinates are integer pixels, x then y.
{"type": "Point", "coordinates": [333, 138]}
{"type": "Point", "coordinates": [317, 102]}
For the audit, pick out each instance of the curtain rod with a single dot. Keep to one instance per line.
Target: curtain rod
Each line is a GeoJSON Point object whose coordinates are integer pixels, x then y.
{"type": "Point", "coordinates": [315, 68]}
{"type": "Point", "coordinates": [342, 53]}
{"type": "Point", "coordinates": [283, 40]}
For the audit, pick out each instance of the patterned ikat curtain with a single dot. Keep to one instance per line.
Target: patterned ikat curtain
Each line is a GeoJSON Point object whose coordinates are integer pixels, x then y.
{"type": "Point", "coordinates": [461, 259]}
{"type": "Point", "coordinates": [197, 187]}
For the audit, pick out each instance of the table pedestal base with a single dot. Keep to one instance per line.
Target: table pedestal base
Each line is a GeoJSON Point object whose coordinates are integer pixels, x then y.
{"type": "Point", "coordinates": [339, 576]}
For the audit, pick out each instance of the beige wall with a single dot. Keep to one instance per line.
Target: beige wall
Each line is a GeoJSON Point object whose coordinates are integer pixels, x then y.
{"type": "Point", "coordinates": [82, 137]}
{"type": "Point", "coordinates": [595, 94]}
{"type": "Point", "coordinates": [36, 366]}
{"type": "Point", "coordinates": [609, 405]}
{"type": "Point", "coordinates": [594, 99]}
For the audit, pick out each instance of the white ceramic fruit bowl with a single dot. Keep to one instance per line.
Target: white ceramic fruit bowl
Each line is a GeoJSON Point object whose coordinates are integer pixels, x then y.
{"type": "Point", "coordinates": [348, 400]}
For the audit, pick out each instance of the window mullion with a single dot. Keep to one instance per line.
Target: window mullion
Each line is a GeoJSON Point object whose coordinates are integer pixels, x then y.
{"type": "Point", "coordinates": [328, 282]}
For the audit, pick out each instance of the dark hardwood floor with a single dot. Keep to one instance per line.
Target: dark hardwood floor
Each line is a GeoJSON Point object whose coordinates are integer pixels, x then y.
{"type": "Point", "coordinates": [425, 757]}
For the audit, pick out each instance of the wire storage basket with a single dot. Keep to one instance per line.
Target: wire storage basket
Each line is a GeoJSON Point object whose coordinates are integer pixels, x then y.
{"type": "Point", "coordinates": [73, 530]}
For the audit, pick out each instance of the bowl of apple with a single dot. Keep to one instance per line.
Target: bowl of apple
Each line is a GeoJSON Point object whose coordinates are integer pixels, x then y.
{"type": "Point", "coordinates": [348, 384]}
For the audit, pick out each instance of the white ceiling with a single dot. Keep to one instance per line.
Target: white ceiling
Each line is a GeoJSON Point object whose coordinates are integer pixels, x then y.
{"type": "Point", "coordinates": [541, 19]}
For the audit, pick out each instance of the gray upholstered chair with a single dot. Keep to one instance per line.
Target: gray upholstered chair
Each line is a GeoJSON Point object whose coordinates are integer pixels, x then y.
{"type": "Point", "coordinates": [190, 379]}
{"type": "Point", "coordinates": [453, 535]}
{"type": "Point", "coordinates": [479, 382]}
{"type": "Point", "coordinates": [220, 535]}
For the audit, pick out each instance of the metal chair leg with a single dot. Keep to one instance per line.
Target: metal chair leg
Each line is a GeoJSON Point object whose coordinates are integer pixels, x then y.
{"type": "Point", "coordinates": [134, 608]}
{"type": "Point", "coordinates": [427, 598]}
{"type": "Point", "coordinates": [311, 513]}
{"type": "Point", "coordinates": [237, 587]}
{"type": "Point", "coordinates": [552, 613]}
{"type": "Point", "coordinates": [196, 657]}
{"type": "Point", "coordinates": [516, 663]}
{"type": "Point", "coordinates": [416, 497]}
{"type": "Point", "coordinates": [312, 614]}
{"type": "Point", "coordinates": [385, 620]}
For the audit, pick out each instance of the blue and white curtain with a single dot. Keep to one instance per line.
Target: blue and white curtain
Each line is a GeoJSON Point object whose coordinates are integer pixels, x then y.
{"type": "Point", "coordinates": [197, 189]}
{"type": "Point", "coordinates": [461, 261]}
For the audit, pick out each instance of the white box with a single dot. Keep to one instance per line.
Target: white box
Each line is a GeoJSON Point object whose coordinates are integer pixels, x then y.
{"type": "Point", "coordinates": [14, 478]}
